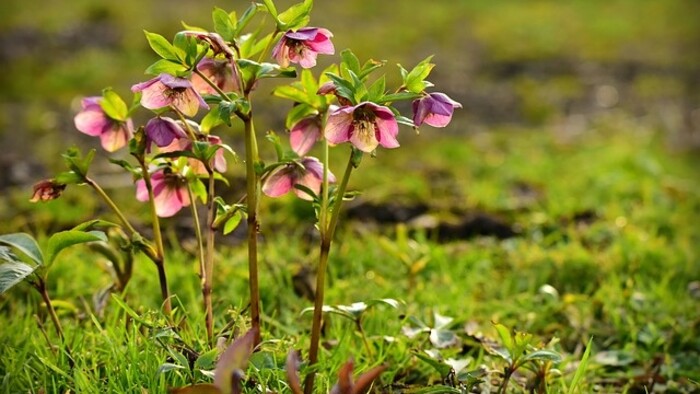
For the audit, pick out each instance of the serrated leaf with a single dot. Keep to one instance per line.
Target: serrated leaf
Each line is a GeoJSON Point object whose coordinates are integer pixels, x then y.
{"type": "Point", "coordinates": [61, 240]}
{"type": "Point", "coordinates": [292, 93]}
{"type": "Point", "coordinates": [376, 91]}
{"type": "Point", "coordinates": [24, 243]}
{"type": "Point", "coordinates": [224, 24]}
{"type": "Point", "coordinates": [113, 105]}
{"type": "Point", "coordinates": [161, 46]}
{"type": "Point", "coordinates": [12, 272]}
{"type": "Point", "coordinates": [414, 79]}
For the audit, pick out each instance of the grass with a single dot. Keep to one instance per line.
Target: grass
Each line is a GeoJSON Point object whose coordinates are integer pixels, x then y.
{"type": "Point", "coordinates": [622, 277]}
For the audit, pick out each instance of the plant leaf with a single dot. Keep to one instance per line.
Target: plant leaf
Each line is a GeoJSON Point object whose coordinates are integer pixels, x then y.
{"type": "Point", "coordinates": [544, 355]}
{"type": "Point", "coordinates": [161, 46]}
{"type": "Point", "coordinates": [292, 370]}
{"type": "Point", "coordinates": [234, 360]}
{"type": "Point", "coordinates": [201, 388]}
{"type": "Point", "coordinates": [64, 239]}
{"type": "Point", "coordinates": [12, 271]}
{"type": "Point", "coordinates": [24, 243]}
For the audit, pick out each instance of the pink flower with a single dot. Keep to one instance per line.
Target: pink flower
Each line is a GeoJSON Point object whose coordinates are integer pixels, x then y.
{"type": "Point", "coordinates": [308, 172]}
{"type": "Point", "coordinates": [218, 71]}
{"type": "Point", "coordinates": [92, 120]}
{"type": "Point", "coordinates": [434, 109]}
{"type": "Point", "coordinates": [304, 134]}
{"type": "Point", "coordinates": [169, 192]}
{"type": "Point", "coordinates": [365, 125]}
{"type": "Point", "coordinates": [166, 90]}
{"type": "Point", "coordinates": [162, 131]}
{"type": "Point", "coordinates": [303, 46]}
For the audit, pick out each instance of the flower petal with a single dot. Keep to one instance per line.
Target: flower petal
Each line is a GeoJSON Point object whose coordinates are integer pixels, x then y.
{"type": "Point", "coordinates": [279, 182]}
{"type": "Point", "coordinates": [386, 128]}
{"type": "Point", "coordinates": [92, 121]}
{"type": "Point", "coordinates": [115, 138]}
{"type": "Point", "coordinates": [339, 125]}
{"type": "Point", "coordinates": [154, 96]}
{"type": "Point", "coordinates": [311, 181]}
{"type": "Point", "coordinates": [321, 43]}
{"type": "Point", "coordinates": [304, 134]}
{"type": "Point", "coordinates": [169, 202]}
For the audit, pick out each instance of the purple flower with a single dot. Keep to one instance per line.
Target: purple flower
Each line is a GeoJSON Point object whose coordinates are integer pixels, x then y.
{"type": "Point", "coordinates": [302, 46]}
{"type": "Point", "coordinates": [434, 109]}
{"type": "Point", "coordinates": [304, 134]}
{"type": "Point", "coordinates": [218, 71]}
{"type": "Point", "coordinates": [92, 120]}
{"type": "Point", "coordinates": [308, 172]}
{"type": "Point", "coordinates": [162, 131]}
{"type": "Point", "coordinates": [166, 90]}
{"type": "Point", "coordinates": [365, 125]}
{"type": "Point", "coordinates": [169, 192]}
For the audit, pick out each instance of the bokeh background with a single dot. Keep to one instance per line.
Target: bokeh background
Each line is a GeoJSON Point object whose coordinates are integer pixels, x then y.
{"type": "Point", "coordinates": [555, 66]}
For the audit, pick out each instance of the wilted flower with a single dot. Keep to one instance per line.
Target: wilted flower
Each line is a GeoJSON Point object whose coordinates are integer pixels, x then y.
{"type": "Point", "coordinates": [303, 46]}
{"type": "Point", "coordinates": [304, 134]}
{"type": "Point", "coordinates": [169, 192]}
{"type": "Point", "coordinates": [92, 120]}
{"type": "Point", "coordinates": [165, 90]}
{"type": "Point", "coordinates": [434, 109]}
{"type": "Point", "coordinates": [218, 71]}
{"type": "Point", "coordinates": [46, 190]}
{"type": "Point", "coordinates": [365, 125]}
{"type": "Point", "coordinates": [162, 131]}
{"type": "Point", "coordinates": [307, 171]}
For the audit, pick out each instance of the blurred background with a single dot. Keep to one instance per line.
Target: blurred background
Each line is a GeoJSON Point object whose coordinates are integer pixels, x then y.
{"type": "Point", "coordinates": [555, 67]}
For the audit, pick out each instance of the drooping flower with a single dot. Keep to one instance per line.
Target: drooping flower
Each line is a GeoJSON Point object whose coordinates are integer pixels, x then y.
{"type": "Point", "coordinates": [218, 71]}
{"type": "Point", "coordinates": [46, 190]}
{"type": "Point", "coordinates": [169, 192]}
{"type": "Point", "coordinates": [162, 131]}
{"type": "Point", "coordinates": [434, 109]}
{"type": "Point", "coordinates": [166, 90]}
{"type": "Point", "coordinates": [304, 134]}
{"type": "Point", "coordinates": [366, 126]}
{"type": "Point", "coordinates": [92, 120]}
{"type": "Point", "coordinates": [303, 46]}
{"type": "Point", "coordinates": [307, 172]}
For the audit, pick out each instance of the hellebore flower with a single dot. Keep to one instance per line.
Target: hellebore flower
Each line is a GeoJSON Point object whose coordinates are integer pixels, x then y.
{"type": "Point", "coordinates": [306, 172]}
{"type": "Point", "coordinates": [169, 192]}
{"type": "Point", "coordinates": [303, 46]}
{"type": "Point", "coordinates": [185, 144]}
{"type": "Point", "coordinates": [165, 90]}
{"type": "Point", "coordinates": [365, 125]}
{"type": "Point", "coordinates": [434, 109]}
{"type": "Point", "coordinates": [162, 131]}
{"type": "Point", "coordinates": [218, 71]}
{"type": "Point", "coordinates": [46, 190]}
{"type": "Point", "coordinates": [304, 134]}
{"type": "Point", "coordinates": [92, 120]}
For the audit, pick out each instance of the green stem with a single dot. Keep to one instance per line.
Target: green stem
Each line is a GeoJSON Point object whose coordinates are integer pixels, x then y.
{"type": "Point", "coordinates": [111, 205]}
{"type": "Point", "coordinates": [326, 240]}
{"type": "Point", "coordinates": [200, 248]}
{"type": "Point", "coordinates": [263, 54]}
{"type": "Point", "coordinates": [209, 260]}
{"type": "Point", "coordinates": [41, 287]}
{"type": "Point", "coordinates": [212, 84]}
{"type": "Point", "coordinates": [188, 128]}
{"type": "Point", "coordinates": [252, 184]}
{"type": "Point", "coordinates": [159, 258]}
{"type": "Point", "coordinates": [358, 325]}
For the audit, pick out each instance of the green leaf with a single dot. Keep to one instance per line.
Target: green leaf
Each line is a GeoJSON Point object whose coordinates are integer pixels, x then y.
{"type": "Point", "coordinates": [270, 5]}
{"type": "Point", "coordinates": [168, 67]}
{"type": "Point", "coordinates": [388, 98]}
{"type": "Point", "coordinates": [232, 223]}
{"type": "Point", "coordinates": [211, 120]}
{"type": "Point", "coordinates": [291, 93]}
{"type": "Point", "coordinates": [414, 79]}
{"type": "Point", "coordinates": [64, 239]}
{"type": "Point", "coordinates": [12, 271]}
{"type": "Point", "coordinates": [247, 17]}
{"type": "Point", "coordinates": [224, 23]}
{"type": "Point", "coordinates": [297, 113]}
{"type": "Point", "coordinates": [295, 16]}
{"type": "Point", "coordinates": [206, 360]}
{"type": "Point", "coordinates": [442, 368]}
{"type": "Point", "coordinates": [113, 105]}
{"type": "Point", "coordinates": [582, 367]}
{"type": "Point", "coordinates": [376, 91]}
{"type": "Point", "coordinates": [161, 46]}
{"type": "Point", "coordinates": [350, 62]}
{"type": "Point", "coordinates": [90, 224]}
{"type": "Point", "coordinates": [343, 88]}
{"type": "Point", "coordinates": [506, 336]}
{"type": "Point", "coordinates": [24, 243]}
{"type": "Point", "coordinates": [543, 355]}
{"type": "Point", "coordinates": [69, 178]}
{"type": "Point", "coordinates": [369, 66]}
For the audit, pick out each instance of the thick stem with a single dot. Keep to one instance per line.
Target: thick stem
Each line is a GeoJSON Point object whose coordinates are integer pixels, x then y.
{"type": "Point", "coordinates": [209, 259]}
{"type": "Point", "coordinates": [252, 184]}
{"type": "Point", "coordinates": [326, 240]}
{"type": "Point", "coordinates": [159, 258]}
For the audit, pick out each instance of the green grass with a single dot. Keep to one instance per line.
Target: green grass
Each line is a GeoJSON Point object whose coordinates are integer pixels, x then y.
{"type": "Point", "coordinates": [622, 279]}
